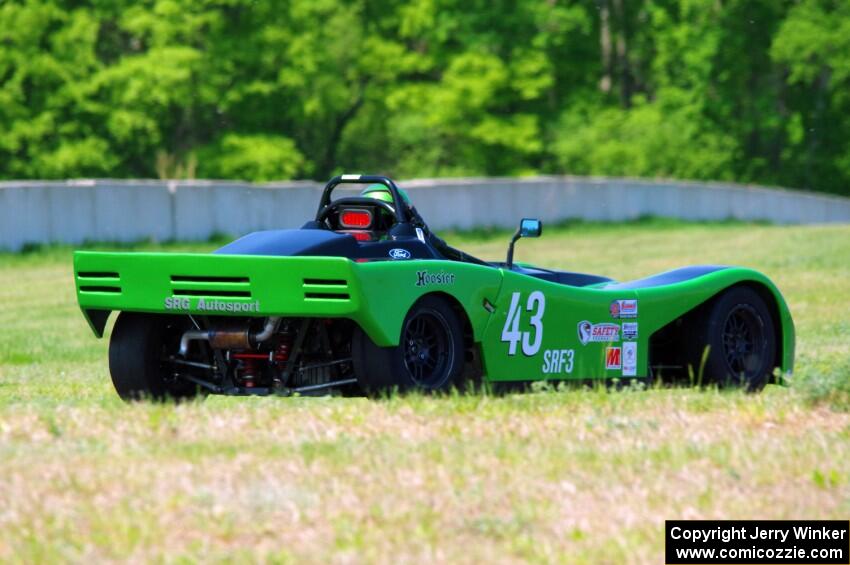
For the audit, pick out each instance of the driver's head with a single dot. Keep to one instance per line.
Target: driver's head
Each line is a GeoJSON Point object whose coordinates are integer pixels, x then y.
{"type": "Point", "coordinates": [381, 192]}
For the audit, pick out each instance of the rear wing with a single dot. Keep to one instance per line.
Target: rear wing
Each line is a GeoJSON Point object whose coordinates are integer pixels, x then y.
{"type": "Point", "coordinates": [220, 285]}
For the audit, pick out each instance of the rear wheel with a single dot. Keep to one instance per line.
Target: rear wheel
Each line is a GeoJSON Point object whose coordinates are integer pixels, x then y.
{"type": "Point", "coordinates": [139, 352]}
{"type": "Point", "coordinates": [429, 357]}
{"type": "Point", "coordinates": [741, 340]}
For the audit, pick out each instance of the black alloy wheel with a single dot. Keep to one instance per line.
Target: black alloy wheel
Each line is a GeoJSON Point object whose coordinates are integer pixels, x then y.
{"type": "Point", "coordinates": [739, 334]}
{"type": "Point", "coordinates": [428, 349]}
{"type": "Point", "coordinates": [430, 356]}
{"type": "Point", "coordinates": [744, 342]}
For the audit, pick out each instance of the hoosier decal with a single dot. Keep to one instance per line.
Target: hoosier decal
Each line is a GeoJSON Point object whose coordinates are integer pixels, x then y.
{"type": "Point", "coordinates": [424, 278]}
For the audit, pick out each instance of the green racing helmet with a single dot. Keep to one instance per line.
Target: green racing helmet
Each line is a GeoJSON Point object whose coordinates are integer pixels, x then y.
{"type": "Point", "coordinates": [381, 192]}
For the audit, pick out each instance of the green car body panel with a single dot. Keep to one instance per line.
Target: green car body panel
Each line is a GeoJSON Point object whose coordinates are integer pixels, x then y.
{"type": "Point", "coordinates": [526, 328]}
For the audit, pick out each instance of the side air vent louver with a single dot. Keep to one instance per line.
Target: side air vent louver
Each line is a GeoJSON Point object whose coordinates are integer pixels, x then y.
{"type": "Point", "coordinates": [212, 286]}
{"type": "Point", "coordinates": [326, 282]}
{"type": "Point", "coordinates": [95, 288]}
{"type": "Point", "coordinates": [206, 279]}
{"type": "Point", "coordinates": [97, 275]}
{"type": "Point", "coordinates": [212, 292]}
{"type": "Point", "coordinates": [99, 281]}
{"type": "Point", "coordinates": [326, 289]}
{"type": "Point", "coordinates": [327, 295]}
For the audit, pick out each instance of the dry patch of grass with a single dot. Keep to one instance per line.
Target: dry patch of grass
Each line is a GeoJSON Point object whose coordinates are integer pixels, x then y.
{"type": "Point", "coordinates": [581, 476]}
{"type": "Point", "coordinates": [584, 476]}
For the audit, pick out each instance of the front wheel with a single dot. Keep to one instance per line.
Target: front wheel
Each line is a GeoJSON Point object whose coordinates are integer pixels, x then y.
{"type": "Point", "coordinates": [139, 352]}
{"type": "Point", "coordinates": [429, 356]}
{"type": "Point", "coordinates": [740, 338]}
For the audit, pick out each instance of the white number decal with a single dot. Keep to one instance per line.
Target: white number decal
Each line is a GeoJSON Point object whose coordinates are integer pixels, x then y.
{"type": "Point", "coordinates": [511, 333]}
{"type": "Point", "coordinates": [536, 321]}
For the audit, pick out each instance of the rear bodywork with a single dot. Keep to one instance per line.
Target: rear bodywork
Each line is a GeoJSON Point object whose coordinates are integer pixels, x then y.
{"type": "Point", "coordinates": [522, 327]}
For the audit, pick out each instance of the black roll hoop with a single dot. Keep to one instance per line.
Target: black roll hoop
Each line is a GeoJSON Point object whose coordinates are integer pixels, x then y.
{"type": "Point", "coordinates": [402, 211]}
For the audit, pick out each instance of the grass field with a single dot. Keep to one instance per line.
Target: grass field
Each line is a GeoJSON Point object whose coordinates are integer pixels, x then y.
{"type": "Point", "coordinates": [579, 476]}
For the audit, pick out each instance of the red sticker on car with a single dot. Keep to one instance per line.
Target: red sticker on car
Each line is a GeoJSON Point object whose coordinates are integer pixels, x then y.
{"type": "Point", "coordinates": [613, 358]}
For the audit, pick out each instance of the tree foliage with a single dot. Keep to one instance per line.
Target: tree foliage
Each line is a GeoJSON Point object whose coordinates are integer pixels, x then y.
{"type": "Point", "coordinates": [743, 90]}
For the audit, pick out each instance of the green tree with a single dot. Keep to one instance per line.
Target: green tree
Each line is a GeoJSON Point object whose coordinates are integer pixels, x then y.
{"type": "Point", "coordinates": [742, 90]}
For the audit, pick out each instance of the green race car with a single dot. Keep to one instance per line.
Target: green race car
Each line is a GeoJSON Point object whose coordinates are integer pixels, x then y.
{"type": "Point", "coordinates": [365, 298]}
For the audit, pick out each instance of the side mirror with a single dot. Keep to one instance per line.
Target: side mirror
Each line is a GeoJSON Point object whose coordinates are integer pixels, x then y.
{"type": "Point", "coordinates": [528, 227]}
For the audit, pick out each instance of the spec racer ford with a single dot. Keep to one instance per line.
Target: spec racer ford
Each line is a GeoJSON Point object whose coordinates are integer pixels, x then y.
{"type": "Point", "coordinates": [366, 298]}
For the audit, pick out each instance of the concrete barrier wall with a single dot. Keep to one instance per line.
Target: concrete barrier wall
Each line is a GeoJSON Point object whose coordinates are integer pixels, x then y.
{"type": "Point", "coordinates": [117, 210]}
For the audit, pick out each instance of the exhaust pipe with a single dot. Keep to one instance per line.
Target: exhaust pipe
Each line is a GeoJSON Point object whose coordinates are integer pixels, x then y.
{"type": "Point", "coordinates": [229, 339]}
{"type": "Point", "coordinates": [268, 330]}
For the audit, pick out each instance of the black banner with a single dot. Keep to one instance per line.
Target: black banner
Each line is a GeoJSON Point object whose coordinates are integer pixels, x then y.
{"type": "Point", "coordinates": [815, 542]}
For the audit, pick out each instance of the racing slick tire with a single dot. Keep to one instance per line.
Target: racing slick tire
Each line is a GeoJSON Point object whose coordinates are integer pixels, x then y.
{"type": "Point", "coordinates": [428, 358]}
{"type": "Point", "coordinates": [741, 339]}
{"type": "Point", "coordinates": [137, 349]}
